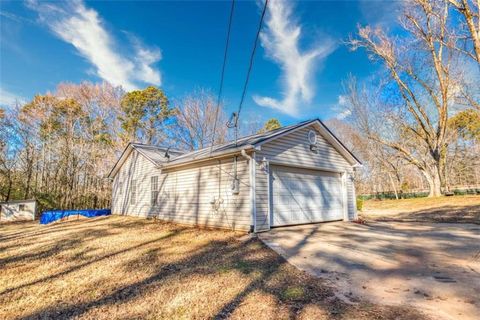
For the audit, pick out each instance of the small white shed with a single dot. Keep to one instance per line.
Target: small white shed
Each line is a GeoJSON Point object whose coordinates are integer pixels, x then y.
{"type": "Point", "coordinates": [18, 210]}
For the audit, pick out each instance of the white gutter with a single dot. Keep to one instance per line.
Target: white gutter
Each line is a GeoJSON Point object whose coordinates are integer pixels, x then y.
{"type": "Point", "coordinates": [203, 159]}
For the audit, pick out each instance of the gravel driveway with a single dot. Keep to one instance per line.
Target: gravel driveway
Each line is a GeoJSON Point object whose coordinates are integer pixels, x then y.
{"type": "Point", "coordinates": [435, 267]}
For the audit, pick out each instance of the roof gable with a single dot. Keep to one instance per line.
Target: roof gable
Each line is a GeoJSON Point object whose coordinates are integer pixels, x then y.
{"type": "Point", "coordinates": [326, 134]}
{"type": "Point", "coordinates": [154, 154]}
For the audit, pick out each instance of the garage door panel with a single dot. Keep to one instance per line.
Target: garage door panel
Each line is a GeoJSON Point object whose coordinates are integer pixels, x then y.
{"type": "Point", "coordinates": [303, 196]}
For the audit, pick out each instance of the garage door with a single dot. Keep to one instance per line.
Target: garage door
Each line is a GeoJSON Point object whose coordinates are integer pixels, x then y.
{"type": "Point", "coordinates": [305, 196]}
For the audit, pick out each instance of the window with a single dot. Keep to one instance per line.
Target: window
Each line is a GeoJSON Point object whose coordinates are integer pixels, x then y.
{"type": "Point", "coordinates": [21, 207]}
{"type": "Point", "coordinates": [154, 190]}
{"type": "Point", "coordinates": [120, 187]}
{"type": "Point", "coordinates": [133, 192]}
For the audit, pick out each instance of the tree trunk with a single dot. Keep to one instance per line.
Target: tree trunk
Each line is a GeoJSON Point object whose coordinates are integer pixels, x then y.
{"type": "Point", "coordinates": [393, 184]}
{"type": "Point", "coordinates": [434, 182]}
{"type": "Point", "coordinates": [9, 190]}
{"type": "Point", "coordinates": [29, 179]}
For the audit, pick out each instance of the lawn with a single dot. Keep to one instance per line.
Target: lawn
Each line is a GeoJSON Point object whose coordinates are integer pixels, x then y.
{"type": "Point", "coordinates": [464, 209]}
{"type": "Point", "coordinates": [121, 267]}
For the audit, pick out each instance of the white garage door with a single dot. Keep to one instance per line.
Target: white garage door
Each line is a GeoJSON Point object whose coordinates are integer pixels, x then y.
{"type": "Point", "coordinates": [305, 196]}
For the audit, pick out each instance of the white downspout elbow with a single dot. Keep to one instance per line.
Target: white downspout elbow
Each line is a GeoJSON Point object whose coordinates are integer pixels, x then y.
{"type": "Point", "coordinates": [245, 155]}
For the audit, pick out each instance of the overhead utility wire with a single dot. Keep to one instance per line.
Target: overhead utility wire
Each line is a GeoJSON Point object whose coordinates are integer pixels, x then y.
{"type": "Point", "coordinates": [219, 97]}
{"type": "Point", "coordinates": [252, 56]}
{"type": "Point", "coordinates": [235, 117]}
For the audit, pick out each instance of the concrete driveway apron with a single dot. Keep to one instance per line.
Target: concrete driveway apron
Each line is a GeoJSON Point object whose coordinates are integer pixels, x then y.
{"type": "Point", "coordinates": [434, 267]}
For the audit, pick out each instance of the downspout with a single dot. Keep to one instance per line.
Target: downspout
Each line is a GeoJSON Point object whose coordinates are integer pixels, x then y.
{"type": "Point", "coordinates": [245, 155]}
{"type": "Point", "coordinates": [251, 161]}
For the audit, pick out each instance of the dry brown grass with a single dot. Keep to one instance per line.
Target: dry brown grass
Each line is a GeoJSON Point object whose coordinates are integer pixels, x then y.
{"type": "Point", "coordinates": [464, 209]}
{"type": "Point", "coordinates": [121, 267]}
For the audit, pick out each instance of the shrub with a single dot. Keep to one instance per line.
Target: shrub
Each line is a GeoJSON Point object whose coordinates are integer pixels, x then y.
{"type": "Point", "coordinates": [459, 192]}
{"type": "Point", "coordinates": [359, 204]}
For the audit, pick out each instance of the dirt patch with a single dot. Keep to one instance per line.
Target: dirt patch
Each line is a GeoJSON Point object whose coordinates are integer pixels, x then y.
{"type": "Point", "coordinates": [120, 267]}
{"type": "Point", "coordinates": [457, 209]}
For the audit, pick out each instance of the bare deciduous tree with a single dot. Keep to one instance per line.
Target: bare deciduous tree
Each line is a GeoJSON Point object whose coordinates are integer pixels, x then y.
{"type": "Point", "coordinates": [382, 170]}
{"type": "Point", "coordinates": [60, 146]}
{"type": "Point", "coordinates": [423, 82]}
{"type": "Point", "coordinates": [194, 122]}
{"type": "Point", "coordinates": [470, 30]}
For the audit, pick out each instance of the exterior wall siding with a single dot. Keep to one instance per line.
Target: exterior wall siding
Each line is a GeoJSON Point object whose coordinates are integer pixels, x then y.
{"type": "Point", "coordinates": [198, 194]}
{"type": "Point", "coordinates": [294, 150]}
{"type": "Point", "coordinates": [138, 169]}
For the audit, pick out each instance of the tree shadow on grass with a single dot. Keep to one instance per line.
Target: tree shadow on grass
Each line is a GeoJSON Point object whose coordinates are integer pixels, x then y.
{"type": "Point", "coordinates": [50, 229]}
{"type": "Point", "coordinates": [84, 229]}
{"type": "Point", "coordinates": [40, 254]}
{"type": "Point", "coordinates": [176, 255]}
{"type": "Point", "coordinates": [268, 273]}
{"type": "Point", "coordinates": [73, 225]}
{"type": "Point", "coordinates": [52, 247]}
{"type": "Point", "coordinates": [89, 262]}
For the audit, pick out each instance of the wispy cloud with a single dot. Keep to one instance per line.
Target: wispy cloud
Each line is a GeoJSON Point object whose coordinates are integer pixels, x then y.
{"type": "Point", "coordinates": [341, 108]}
{"type": "Point", "coordinates": [8, 99]}
{"type": "Point", "coordinates": [281, 41]}
{"type": "Point", "coordinates": [382, 14]}
{"type": "Point", "coordinates": [82, 27]}
{"type": "Point", "coordinates": [14, 17]}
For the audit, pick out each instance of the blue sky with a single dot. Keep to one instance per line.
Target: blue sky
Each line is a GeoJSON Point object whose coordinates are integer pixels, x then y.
{"type": "Point", "coordinates": [298, 70]}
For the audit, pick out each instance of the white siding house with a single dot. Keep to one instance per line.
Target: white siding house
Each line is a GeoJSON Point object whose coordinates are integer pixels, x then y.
{"type": "Point", "coordinates": [292, 175]}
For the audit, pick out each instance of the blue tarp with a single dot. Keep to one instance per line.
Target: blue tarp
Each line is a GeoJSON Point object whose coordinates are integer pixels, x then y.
{"type": "Point", "coordinates": [54, 215]}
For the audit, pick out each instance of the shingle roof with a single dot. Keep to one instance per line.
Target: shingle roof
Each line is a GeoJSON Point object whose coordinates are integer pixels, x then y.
{"type": "Point", "coordinates": [156, 154]}
{"type": "Point", "coordinates": [247, 141]}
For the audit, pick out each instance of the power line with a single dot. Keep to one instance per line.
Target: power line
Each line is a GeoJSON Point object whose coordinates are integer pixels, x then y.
{"type": "Point", "coordinates": [219, 97]}
{"type": "Point", "coordinates": [260, 24]}
{"type": "Point", "coordinates": [235, 117]}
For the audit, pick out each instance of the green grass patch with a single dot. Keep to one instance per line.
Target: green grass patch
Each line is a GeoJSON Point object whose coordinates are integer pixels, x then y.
{"type": "Point", "coordinates": [293, 293]}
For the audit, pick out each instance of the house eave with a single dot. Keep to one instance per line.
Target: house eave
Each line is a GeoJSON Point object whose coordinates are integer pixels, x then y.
{"type": "Point", "coordinates": [214, 155]}
{"type": "Point", "coordinates": [126, 152]}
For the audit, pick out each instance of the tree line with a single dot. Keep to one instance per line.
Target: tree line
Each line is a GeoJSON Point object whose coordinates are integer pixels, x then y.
{"type": "Point", "coordinates": [59, 147]}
